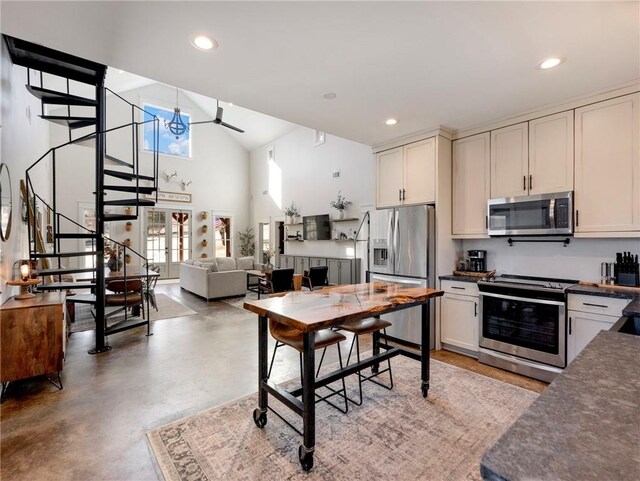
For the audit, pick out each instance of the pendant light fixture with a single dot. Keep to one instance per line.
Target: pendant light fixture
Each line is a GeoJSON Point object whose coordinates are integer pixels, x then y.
{"type": "Point", "coordinates": [176, 126]}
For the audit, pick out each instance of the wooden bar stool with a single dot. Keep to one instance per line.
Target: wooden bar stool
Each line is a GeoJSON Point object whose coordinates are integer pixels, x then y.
{"type": "Point", "coordinates": [289, 336]}
{"type": "Point", "coordinates": [370, 325]}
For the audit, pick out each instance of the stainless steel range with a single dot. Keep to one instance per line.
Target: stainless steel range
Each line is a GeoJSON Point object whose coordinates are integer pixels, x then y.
{"type": "Point", "coordinates": [523, 324]}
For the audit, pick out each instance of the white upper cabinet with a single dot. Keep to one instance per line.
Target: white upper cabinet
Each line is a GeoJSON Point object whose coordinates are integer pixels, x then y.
{"type": "Point", "coordinates": [551, 154]}
{"type": "Point", "coordinates": [420, 172]}
{"type": "Point", "coordinates": [390, 177]}
{"type": "Point", "coordinates": [509, 161]}
{"type": "Point", "coordinates": [470, 189]}
{"type": "Point", "coordinates": [607, 170]}
{"type": "Point", "coordinates": [407, 175]}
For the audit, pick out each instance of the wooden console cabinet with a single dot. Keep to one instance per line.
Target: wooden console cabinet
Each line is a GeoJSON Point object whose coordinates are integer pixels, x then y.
{"type": "Point", "coordinates": [32, 337]}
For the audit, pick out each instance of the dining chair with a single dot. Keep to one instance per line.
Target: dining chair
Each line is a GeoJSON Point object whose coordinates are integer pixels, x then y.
{"type": "Point", "coordinates": [359, 328]}
{"type": "Point", "coordinates": [150, 285]}
{"type": "Point", "coordinates": [126, 294]}
{"type": "Point", "coordinates": [315, 277]}
{"type": "Point", "coordinates": [289, 336]}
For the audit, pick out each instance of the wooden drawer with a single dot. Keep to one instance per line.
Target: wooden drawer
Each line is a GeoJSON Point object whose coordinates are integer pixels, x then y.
{"type": "Point", "coordinates": [609, 306]}
{"type": "Point", "coordinates": [460, 288]}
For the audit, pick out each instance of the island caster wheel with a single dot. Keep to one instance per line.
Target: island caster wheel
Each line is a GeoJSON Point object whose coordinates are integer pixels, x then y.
{"type": "Point", "coordinates": [306, 459]}
{"type": "Point", "coordinates": [260, 418]}
{"type": "Point", "coordinates": [425, 390]}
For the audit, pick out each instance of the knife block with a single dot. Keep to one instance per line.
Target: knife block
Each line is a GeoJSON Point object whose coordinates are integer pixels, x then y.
{"type": "Point", "coordinates": [628, 279]}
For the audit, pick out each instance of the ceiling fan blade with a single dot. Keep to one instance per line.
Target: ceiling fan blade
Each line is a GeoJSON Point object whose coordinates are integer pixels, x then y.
{"type": "Point", "coordinates": [219, 114]}
{"type": "Point", "coordinates": [203, 122]}
{"type": "Point", "coordinates": [229, 126]}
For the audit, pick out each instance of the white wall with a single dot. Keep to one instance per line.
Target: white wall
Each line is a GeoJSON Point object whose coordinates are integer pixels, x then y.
{"type": "Point", "coordinates": [23, 138]}
{"type": "Point", "coordinates": [307, 179]}
{"type": "Point", "coordinates": [218, 169]}
{"type": "Point", "coordinates": [579, 260]}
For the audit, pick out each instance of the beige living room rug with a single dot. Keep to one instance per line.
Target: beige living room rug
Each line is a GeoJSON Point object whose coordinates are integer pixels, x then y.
{"type": "Point", "coordinates": [167, 308]}
{"type": "Point", "coordinates": [394, 435]}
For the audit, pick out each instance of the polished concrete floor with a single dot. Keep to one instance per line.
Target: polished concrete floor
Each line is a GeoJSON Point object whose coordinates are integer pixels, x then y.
{"type": "Point", "coordinates": [94, 429]}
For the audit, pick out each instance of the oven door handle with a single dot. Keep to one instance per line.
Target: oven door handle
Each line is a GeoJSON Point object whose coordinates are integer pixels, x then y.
{"type": "Point", "coordinates": [525, 299]}
{"type": "Point", "coordinates": [552, 213]}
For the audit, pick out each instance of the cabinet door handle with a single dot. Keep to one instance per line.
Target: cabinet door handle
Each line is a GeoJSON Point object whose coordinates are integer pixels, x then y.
{"type": "Point", "coordinates": [524, 182]}
{"type": "Point", "coordinates": [530, 181]}
{"type": "Point", "coordinates": [486, 221]}
{"type": "Point", "coordinates": [400, 194]}
{"type": "Point", "coordinates": [577, 218]}
{"type": "Point", "coordinates": [404, 195]}
{"type": "Point", "coordinates": [594, 305]}
{"type": "Point", "coordinates": [569, 326]}
{"type": "Point", "coordinates": [475, 309]}
{"type": "Point", "coordinates": [456, 287]}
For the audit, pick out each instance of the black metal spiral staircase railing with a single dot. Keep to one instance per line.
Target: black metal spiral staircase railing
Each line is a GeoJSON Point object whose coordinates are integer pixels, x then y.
{"type": "Point", "coordinates": [134, 178]}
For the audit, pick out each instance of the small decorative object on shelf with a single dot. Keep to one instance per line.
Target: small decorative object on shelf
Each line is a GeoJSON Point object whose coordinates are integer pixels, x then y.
{"type": "Point", "coordinates": [25, 281]}
{"type": "Point", "coordinates": [292, 213]}
{"type": "Point", "coordinates": [203, 215]}
{"type": "Point", "coordinates": [128, 227]}
{"type": "Point", "coordinates": [204, 242]}
{"type": "Point", "coordinates": [205, 229]}
{"type": "Point", "coordinates": [340, 204]}
{"type": "Point", "coordinates": [128, 210]}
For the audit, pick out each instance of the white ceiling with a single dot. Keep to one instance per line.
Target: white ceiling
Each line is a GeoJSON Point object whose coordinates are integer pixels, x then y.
{"type": "Point", "coordinates": [455, 64]}
{"type": "Point", "coordinates": [260, 129]}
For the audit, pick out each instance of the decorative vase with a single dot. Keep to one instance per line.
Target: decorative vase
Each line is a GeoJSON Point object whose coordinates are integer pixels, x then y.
{"type": "Point", "coordinates": [128, 226]}
{"type": "Point", "coordinates": [204, 243]}
{"type": "Point", "coordinates": [114, 264]}
{"type": "Point", "coordinates": [128, 210]}
{"type": "Point", "coordinates": [341, 214]}
{"type": "Point", "coordinates": [205, 229]}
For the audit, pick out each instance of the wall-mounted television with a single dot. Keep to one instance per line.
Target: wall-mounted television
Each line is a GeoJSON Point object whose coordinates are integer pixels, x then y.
{"type": "Point", "coordinates": [316, 227]}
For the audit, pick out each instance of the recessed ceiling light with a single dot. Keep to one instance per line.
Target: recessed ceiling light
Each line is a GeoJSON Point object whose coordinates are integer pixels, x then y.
{"type": "Point", "coordinates": [120, 71]}
{"type": "Point", "coordinates": [329, 96]}
{"type": "Point", "coordinates": [391, 122]}
{"type": "Point", "coordinates": [550, 63]}
{"type": "Point", "coordinates": [230, 104]}
{"type": "Point", "coordinates": [203, 42]}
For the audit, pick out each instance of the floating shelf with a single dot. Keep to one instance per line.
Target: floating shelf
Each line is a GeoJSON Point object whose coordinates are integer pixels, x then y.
{"type": "Point", "coordinates": [295, 223]}
{"type": "Point", "coordinates": [351, 219]}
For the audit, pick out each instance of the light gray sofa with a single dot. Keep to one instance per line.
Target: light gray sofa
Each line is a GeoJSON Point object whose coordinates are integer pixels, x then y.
{"type": "Point", "coordinates": [219, 277]}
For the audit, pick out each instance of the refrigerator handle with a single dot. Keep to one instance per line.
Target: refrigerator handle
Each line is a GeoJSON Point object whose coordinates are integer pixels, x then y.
{"type": "Point", "coordinates": [391, 257]}
{"type": "Point", "coordinates": [396, 232]}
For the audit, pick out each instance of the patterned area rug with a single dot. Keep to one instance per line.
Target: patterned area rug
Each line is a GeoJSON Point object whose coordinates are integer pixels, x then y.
{"type": "Point", "coordinates": [167, 308]}
{"type": "Point", "coordinates": [239, 301]}
{"type": "Point", "coordinates": [394, 435]}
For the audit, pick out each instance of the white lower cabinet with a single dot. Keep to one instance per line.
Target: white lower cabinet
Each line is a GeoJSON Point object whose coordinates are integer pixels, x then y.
{"type": "Point", "coordinates": [587, 316]}
{"type": "Point", "coordinates": [582, 328]}
{"type": "Point", "coordinates": [459, 323]}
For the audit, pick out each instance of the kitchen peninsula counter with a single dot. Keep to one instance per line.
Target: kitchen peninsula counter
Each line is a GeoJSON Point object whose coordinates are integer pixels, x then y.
{"type": "Point", "coordinates": [585, 426]}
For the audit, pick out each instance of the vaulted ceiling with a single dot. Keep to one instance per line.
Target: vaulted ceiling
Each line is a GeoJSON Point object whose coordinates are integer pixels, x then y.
{"type": "Point", "coordinates": [427, 64]}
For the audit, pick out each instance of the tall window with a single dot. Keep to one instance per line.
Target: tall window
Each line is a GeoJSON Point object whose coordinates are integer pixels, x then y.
{"type": "Point", "coordinates": [222, 236]}
{"type": "Point", "coordinates": [169, 143]}
{"type": "Point", "coordinates": [88, 217]}
{"type": "Point", "coordinates": [264, 240]}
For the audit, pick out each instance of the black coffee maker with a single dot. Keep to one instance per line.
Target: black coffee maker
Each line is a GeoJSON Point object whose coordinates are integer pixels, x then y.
{"type": "Point", "coordinates": [477, 260]}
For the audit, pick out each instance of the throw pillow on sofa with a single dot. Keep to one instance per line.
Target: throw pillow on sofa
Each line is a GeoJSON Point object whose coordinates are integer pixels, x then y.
{"type": "Point", "coordinates": [212, 266]}
{"type": "Point", "coordinates": [226, 264]}
{"type": "Point", "coordinates": [245, 263]}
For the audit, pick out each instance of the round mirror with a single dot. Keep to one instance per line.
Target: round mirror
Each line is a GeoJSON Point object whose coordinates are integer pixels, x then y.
{"type": "Point", "coordinates": [5, 202]}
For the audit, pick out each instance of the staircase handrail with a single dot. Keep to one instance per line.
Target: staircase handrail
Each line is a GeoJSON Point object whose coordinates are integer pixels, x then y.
{"type": "Point", "coordinates": [131, 104]}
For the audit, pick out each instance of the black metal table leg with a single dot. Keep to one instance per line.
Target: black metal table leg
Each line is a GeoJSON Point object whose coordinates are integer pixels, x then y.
{"type": "Point", "coordinates": [260, 413]}
{"type": "Point", "coordinates": [376, 348]}
{"type": "Point", "coordinates": [425, 348]}
{"type": "Point", "coordinates": [305, 452]}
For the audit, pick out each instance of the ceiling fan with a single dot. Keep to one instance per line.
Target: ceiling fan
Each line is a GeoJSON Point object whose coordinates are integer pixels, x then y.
{"type": "Point", "coordinates": [218, 120]}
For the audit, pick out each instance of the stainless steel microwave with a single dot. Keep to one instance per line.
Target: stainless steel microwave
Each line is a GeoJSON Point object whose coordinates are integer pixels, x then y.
{"type": "Point", "coordinates": [543, 214]}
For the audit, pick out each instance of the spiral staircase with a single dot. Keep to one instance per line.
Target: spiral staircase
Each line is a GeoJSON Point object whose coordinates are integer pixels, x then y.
{"type": "Point", "coordinates": [120, 183]}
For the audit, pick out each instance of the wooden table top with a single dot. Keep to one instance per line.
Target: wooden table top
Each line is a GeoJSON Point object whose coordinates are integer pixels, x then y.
{"type": "Point", "coordinates": [132, 273]}
{"type": "Point", "coordinates": [41, 299]}
{"type": "Point", "coordinates": [314, 310]}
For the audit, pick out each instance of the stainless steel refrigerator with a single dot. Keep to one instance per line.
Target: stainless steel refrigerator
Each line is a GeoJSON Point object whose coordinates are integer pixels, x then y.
{"type": "Point", "coordinates": [403, 252]}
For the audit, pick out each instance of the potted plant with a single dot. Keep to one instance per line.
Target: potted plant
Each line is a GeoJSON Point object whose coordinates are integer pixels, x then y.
{"type": "Point", "coordinates": [112, 254]}
{"type": "Point", "coordinates": [267, 256]}
{"type": "Point", "coordinates": [128, 226]}
{"type": "Point", "coordinates": [247, 245]}
{"type": "Point", "coordinates": [292, 212]}
{"type": "Point", "coordinates": [205, 229]}
{"type": "Point", "coordinates": [340, 204]}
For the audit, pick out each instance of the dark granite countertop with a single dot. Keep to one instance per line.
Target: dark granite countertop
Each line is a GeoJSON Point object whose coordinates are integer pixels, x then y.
{"type": "Point", "coordinates": [453, 277]}
{"type": "Point", "coordinates": [585, 426]}
{"type": "Point", "coordinates": [633, 309]}
{"type": "Point", "coordinates": [603, 292]}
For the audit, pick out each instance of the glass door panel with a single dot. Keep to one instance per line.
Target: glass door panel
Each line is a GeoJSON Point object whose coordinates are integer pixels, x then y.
{"type": "Point", "coordinates": [168, 241]}
{"type": "Point", "coordinates": [222, 236]}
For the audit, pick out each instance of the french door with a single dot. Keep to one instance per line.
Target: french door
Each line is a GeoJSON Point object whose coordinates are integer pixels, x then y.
{"type": "Point", "coordinates": [168, 239]}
